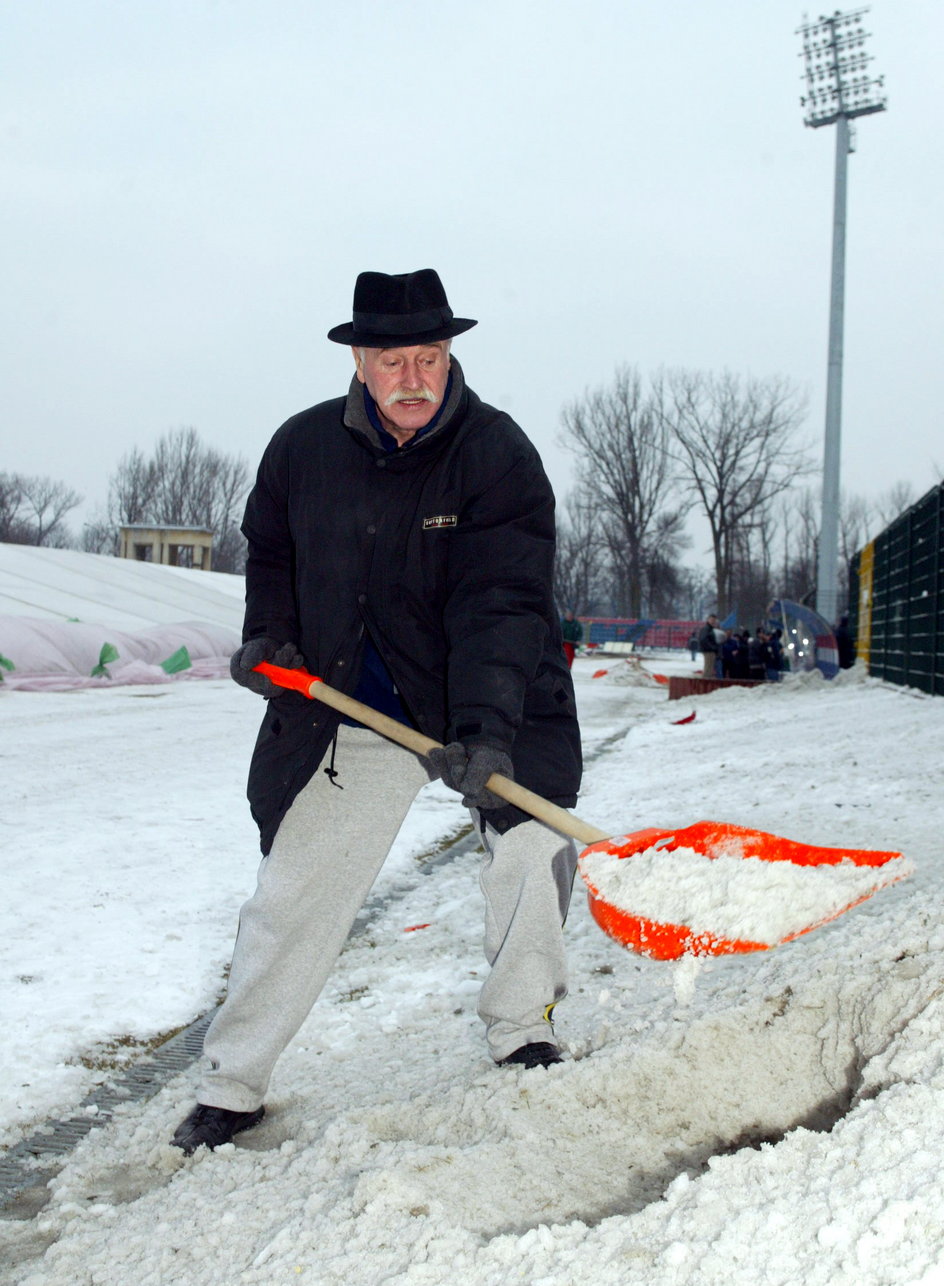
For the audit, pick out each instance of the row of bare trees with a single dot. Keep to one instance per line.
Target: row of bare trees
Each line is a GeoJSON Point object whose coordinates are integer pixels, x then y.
{"type": "Point", "coordinates": [648, 452]}
{"type": "Point", "coordinates": [182, 483]}
{"type": "Point", "coordinates": [33, 510]}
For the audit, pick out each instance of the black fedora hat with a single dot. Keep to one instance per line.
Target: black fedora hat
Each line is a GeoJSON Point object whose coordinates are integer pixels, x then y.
{"type": "Point", "coordinates": [398, 311]}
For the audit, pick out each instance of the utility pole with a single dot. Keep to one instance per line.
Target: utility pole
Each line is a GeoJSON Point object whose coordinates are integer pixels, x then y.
{"type": "Point", "coordinates": [838, 88]}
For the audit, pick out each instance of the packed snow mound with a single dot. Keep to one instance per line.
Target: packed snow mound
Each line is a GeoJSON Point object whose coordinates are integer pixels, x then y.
{"type": "Point", "coordinates": [625, 672]}
{"type": "Point", "coordinates": [859, 673]}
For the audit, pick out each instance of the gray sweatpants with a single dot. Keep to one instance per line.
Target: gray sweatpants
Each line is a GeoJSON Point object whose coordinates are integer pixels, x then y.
{"type": "Point", "coordinates": [326, 855]}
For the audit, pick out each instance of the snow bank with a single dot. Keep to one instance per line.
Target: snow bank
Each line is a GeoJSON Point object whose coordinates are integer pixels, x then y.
{"type": "Point", "coordinates": [777, 1118]}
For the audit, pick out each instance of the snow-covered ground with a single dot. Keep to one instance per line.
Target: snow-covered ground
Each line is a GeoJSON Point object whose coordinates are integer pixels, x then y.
{"type": "Point", "coordinates": [775, 1117]}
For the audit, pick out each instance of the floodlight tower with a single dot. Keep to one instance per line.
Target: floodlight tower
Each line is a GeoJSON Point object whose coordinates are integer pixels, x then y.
{"type": "Point", "coordinates": [838, 88]}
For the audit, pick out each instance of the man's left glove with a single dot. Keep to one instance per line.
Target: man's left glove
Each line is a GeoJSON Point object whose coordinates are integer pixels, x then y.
{"type": "Point", "coordinates": [467, 771]}
{"type": "Point", "coordinates": [243, 662]}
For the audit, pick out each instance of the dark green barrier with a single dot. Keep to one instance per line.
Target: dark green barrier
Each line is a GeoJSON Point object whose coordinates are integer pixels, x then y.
{"type": "Point", "coordinates": [897, 598]}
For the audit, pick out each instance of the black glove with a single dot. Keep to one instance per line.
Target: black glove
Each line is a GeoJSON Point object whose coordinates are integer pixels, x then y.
{"type": "Point", "coordinates": [243, 662]}
{"type": "Point", "coordinates": [467, 771]}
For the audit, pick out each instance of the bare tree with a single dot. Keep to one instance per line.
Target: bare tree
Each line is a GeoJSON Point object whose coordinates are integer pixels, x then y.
{"type": "Point", "coordinates": [891, 504]}
{"type": "Point", "coordinates": [578, 568]}
{"type": "Point", "coordinates": [855, 519]}
{"type": "Point", "coordinates": [695, 593]}
{"type": "Point", "coordinates": [33, 509]}
{"type": "Point", "coordinates": [735, 443]}
{"type": "Point", "coordinates": [619, 440]}
{"type": "Point", "coordinates": [131, 490]}
{"type": "Point", "coordinates": [753, 551]}
{"type": "Point", "coordinates": [185, 484]}
{"type": "Point", "coordinates": [856, 516]}
{"type": "Point", "coordinates": [662, 572]}
{"type": "Point", "coordinates": [99, 535]}
{"type": "Point", "coordinates": [799, 529]}
{"type": "Point", "coordinates": [12, 523]}
{"type": "Point", "coordinates": [48, 503]}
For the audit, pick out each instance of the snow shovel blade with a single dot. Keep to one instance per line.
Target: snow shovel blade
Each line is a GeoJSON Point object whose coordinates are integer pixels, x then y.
{"type": "Point", "coordinates": [661, 936]}
{"type": "Point", "coordinates": [770, 891]}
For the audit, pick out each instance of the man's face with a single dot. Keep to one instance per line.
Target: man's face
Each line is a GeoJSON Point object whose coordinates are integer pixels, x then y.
{"type": "Point", "coordinates": [406, 383]}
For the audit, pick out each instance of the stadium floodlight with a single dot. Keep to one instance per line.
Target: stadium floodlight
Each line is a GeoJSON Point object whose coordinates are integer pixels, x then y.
{"type": "Point", "coordinates": [838, 88]}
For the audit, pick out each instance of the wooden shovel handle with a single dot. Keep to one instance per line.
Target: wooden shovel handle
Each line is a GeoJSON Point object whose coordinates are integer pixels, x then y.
{"type": "Point", "coordinates": [311, 686]}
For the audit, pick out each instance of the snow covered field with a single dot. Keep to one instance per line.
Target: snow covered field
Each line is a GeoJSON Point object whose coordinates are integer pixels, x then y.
{"type": "Point", "coordinates": [769, 1118]}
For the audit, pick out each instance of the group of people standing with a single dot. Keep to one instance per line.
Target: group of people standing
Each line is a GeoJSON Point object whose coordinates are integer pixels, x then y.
{"type": "Point", "coordinates": [739, 654]}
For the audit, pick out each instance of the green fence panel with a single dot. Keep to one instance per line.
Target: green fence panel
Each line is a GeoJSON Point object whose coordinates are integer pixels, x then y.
{"type": "Point", "coordinates": [907, 637]}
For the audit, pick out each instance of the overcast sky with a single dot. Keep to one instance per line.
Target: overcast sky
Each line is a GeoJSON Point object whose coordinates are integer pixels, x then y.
{"type": "Point", "coordinates": [189, 188]}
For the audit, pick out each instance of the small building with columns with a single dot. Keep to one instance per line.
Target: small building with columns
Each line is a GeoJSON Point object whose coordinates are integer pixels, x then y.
{"type": "Point", "coordinates": [174, 546]}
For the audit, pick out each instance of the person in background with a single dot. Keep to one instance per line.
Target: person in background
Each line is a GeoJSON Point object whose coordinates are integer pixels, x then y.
{"type": "Point", "coordinates": [758, 655]}
{"type": "Point", "coordinates": [708, 646]}
{"type": "Point", "coordinates": [845, 644]}
{"type": "Point", "coordinates": [775, 656]}
{"type": "Point", "coordinates": [720, 635]}
{"type": "Point", "coordinates": [693, 645]}
{"type": "Point", "coordinates": [729, 656]}
{"type": "Point", "coordinates": [742, 663]}
{"type": "Point", "coordinates": [572, 633]}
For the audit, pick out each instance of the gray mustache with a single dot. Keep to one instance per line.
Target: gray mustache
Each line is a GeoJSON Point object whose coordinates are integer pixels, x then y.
{"type": "Point", "coordinates": [402, 395]}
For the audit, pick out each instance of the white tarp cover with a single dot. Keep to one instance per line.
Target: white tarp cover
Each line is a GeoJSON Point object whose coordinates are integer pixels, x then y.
{"type": "Point", "coordinates": [57, 655]}
{"type": "Point", "coordinates": [59, 608]}
{"type": "Point", "coordinates": [67, 585]}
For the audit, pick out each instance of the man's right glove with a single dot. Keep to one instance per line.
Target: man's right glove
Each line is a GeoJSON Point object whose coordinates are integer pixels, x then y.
{"type": "Point", "coordinates": [467, 771]}
{"type": "Point", "coordinates": [243, 662]}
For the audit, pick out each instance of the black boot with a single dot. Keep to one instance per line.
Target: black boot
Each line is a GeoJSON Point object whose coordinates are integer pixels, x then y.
{"type": "Point", "coordinates": [212, 1126]}
{"type": "Point", "coordinates": [540, 1054]}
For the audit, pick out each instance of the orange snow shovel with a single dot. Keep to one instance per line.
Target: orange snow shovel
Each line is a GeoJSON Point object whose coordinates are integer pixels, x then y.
{"type": "Point", "coordinates": [650, 937]}
{"type": "Point", "coordinates": [663, 940]}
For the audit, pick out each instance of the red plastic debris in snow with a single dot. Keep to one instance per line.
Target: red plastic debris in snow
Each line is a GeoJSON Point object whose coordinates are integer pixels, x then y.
{"type": "Point", "coordinates": [598, 674]}
{"type": "Point", "coordinates": [661, 678]}
{"type": "Point", "coordinates": [412, 928]}
{"type": "Point", "coordinates": [689, 718]}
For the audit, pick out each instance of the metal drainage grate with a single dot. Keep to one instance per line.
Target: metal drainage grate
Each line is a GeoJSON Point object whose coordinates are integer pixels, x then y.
{"type": "Point", "coordinates": [27, 1167]}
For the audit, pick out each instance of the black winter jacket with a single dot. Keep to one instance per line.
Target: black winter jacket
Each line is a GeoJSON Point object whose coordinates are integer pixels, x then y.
{"type": "Point", "coordinates": [707, 639]}
{"type": "Point", "coordinates": [443, 552]}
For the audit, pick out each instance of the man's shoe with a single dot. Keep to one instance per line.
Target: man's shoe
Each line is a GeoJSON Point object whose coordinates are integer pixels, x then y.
{"type": "Point", "coordinates": [540, 1054]}
{"type": "Point", "coordinates": [212, 1126]}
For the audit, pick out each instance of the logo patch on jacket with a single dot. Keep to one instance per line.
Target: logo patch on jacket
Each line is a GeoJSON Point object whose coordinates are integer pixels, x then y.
{"type": "Point", "coordinates": [442, 520]}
